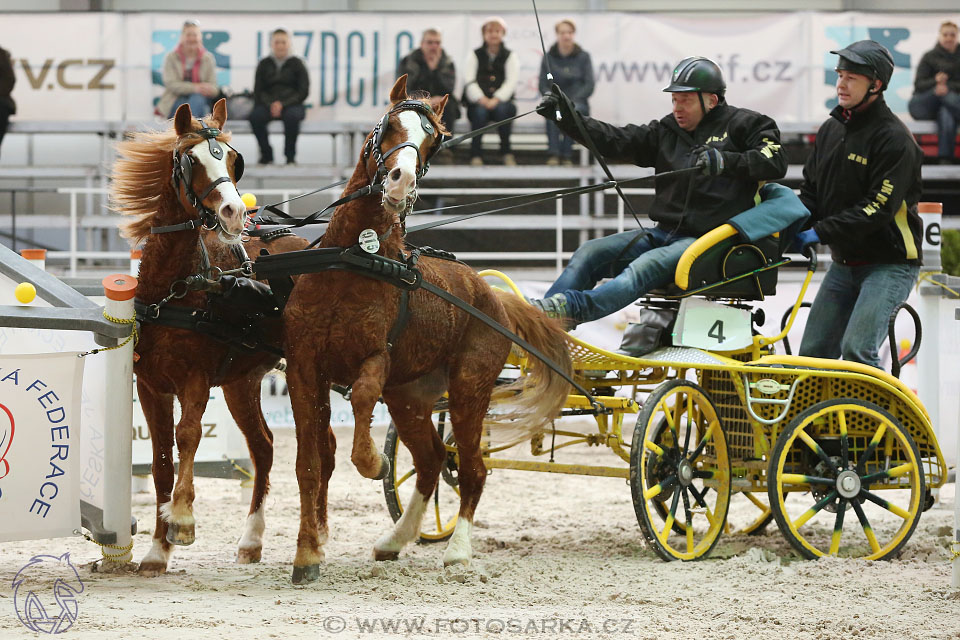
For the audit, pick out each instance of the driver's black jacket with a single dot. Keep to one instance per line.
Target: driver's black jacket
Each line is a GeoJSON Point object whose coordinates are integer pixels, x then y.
{"type": "Point", "coordinates": [862, 184]}
{"type": "Point", "coordinates": [749, 142]}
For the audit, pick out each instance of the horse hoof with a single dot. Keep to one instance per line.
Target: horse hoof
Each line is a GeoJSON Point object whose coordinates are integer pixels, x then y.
{"type": "Point", "coordinates": [181, 534]}
{"type": "Point", "coordinates": [248, 556]}
{"type": "Point", "coordinates": [452, 562]}
{"type": "Point", "coordinates": [152, 569]}
{"type": "Point", "coordinates": [384, 467]}
{"type": "Point", "coordinates": [381, 555]}
{"type": "Point", "coordinates": [309, 573]}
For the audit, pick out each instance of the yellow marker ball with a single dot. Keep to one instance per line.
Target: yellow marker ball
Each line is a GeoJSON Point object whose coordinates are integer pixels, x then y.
{"type": "Point", "coordinates": [25, 292]}
{"type": "Point", "coordinates": [249, 200]}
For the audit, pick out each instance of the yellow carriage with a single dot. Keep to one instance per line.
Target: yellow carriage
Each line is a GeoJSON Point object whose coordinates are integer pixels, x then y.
{"type": "Point", "coordinates": [841, 455]}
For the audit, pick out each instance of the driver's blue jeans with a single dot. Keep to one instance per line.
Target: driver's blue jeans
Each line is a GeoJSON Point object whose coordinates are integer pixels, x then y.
{"type": "Point", "coordinates": [851, 312]}
{"type": "Point", "coordinates": [648, 264]}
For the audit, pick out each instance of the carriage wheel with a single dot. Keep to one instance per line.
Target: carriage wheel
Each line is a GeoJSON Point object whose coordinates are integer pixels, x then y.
{"type": "Point", "coordinates": [681, 474]}
{"type": "Point", "coordinates": [853, 464]}
{"type": "Point", "coordinates": [441, 514]}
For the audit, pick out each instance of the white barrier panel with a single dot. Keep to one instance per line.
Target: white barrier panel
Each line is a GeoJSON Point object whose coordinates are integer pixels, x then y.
{"type": "Point", "coordinates": [277, 411]}
{"type": "Point", "coordinates": [39, 457]}
{"type": "Point", "coordinates": [220, 440]}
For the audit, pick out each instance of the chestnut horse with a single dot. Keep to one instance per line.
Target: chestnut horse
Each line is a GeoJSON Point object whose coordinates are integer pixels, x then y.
{"type": "Point", "coordinates": [181, 362]}
{"type": "Point", "coordinates": [336, 327]}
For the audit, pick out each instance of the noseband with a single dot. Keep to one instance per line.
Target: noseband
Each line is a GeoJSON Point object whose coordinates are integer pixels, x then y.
{"type": "Point", "coordinates": [183, 175]}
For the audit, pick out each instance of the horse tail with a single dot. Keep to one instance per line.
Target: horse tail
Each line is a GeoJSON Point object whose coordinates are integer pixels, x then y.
{"type": "Point", "coordinates": [535, 399]}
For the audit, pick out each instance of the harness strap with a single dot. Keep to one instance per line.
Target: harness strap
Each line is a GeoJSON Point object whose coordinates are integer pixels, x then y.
{"type": "Point", "coordinates": [183, 226]}
{"type": "Point", "coordinates": [198, 320]}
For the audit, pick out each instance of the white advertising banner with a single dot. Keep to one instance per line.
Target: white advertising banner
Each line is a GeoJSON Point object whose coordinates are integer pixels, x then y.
{"type": "Point", "coordinates": [777, 64]}
{"type": "Point", "coordinates": [39, 456]}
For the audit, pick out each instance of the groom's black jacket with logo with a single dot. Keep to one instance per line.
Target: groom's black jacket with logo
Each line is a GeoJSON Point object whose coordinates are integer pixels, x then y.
{"type": "Point", "coordinates": [862, 184]}
{"type": "Point", "coordinates": [749, 142]}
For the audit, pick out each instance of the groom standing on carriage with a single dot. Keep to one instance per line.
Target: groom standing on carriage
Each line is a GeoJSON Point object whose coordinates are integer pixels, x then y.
{"type": "Point", "coordinates": [736, 150]}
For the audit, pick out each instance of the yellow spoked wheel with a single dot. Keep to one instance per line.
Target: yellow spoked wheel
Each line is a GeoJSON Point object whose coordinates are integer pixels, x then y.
{"type": "Point", "coordinates": [442, 509]}
{"type": "Point", "coordinates": [680, 471]}
{"type": "Point", "coordinates": [858, 479]}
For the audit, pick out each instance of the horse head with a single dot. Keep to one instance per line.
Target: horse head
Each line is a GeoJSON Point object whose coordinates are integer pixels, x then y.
{"type": "Point", "coordinates": [205, 173]}
{"type": "Point", "coordinates": [398, 150]}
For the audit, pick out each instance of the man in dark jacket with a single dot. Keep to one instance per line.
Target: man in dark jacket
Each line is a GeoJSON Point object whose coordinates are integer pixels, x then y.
{"type": "Point", "coordinates": [430, 69]}
{"type": "Point", "coordinates": [7, 79]}
{"type": "Point", "coordinates": [861, 185]}
{"type": "Point", "coordinates": [936, 90]}
{"type": "Point", "coordinates": [280, 87]}
{"type": "Point", "coordinates": [736, 149]}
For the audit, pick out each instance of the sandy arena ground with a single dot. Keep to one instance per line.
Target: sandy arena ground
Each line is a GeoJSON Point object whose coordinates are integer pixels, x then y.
{"type": "Point", "coordinates": [554, 556]}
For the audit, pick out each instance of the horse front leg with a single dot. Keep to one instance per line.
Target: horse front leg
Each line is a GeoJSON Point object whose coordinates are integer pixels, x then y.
{"type": "Point", "coordinates": [158, 410]}
{"type": "Point", "coordinates": [181, 525]}
{"type": "Point", "coordinates": [412, 416]}
{"type": "Point", "coordinates": [366, 390]}
{"type": "Point", "coordinates": [243, 400]}
{"type": "Point", "coordinates": [310, 400]}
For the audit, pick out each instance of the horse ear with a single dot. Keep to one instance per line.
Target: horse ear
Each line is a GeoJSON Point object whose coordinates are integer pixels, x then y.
{"type": "Point", "coordinates": [440, 104]}
{"type": "Point", "coordinates": [183, 120]}
{"type": "Point", "coordinates": [399, 91]}
{"type": "Point", "coordinates": [220, 113]}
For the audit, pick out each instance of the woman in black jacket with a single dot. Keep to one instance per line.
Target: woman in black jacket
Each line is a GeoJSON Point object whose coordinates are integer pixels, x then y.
{"type": "Point", "coordinates": [936, 90]}
{"type": "Point", "coordinates": [573, 72]}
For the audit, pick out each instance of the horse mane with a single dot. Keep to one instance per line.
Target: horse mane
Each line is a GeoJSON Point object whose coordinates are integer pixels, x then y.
{"type": "Point", "coordinates": [140, 177]}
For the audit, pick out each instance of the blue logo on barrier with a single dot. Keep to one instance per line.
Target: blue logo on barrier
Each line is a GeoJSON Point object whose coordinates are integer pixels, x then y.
{"type": "Point", "coordinates": [890, 37]}
{"type": "Point", "coordinates": [45, 594]}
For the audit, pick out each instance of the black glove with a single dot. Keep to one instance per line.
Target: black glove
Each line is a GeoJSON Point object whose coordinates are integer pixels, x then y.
{"type": "Point", "coordinates": [550, 103]}
{"type": "Point", "coordinates": [710, 160]}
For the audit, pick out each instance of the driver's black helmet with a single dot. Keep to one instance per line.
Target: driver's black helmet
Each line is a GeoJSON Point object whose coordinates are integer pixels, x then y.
{"type": "Point", "coordinates": [868, 58]}
{"type": "Point", "coordinates": [699, 74]}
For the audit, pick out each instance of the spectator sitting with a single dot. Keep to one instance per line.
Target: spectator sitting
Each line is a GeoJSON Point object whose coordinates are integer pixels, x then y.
{"type": "Point", "coordinates": [573, 72]}
{"type": "Point", "coordinates": [189, 75]}
{"type": "Point", "coordinates": [7, 79]}
{"type": "Point", "coordinates": [490, 74]}
{"type": "Point", "coordinates": [430, 69]}
{"type": "Point", "coordinates": [280, 87]}
{"type": "Point", "coordinates": [936, 90]}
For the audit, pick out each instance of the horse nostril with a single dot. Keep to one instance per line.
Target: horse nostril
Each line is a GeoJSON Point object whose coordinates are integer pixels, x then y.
{"type": "Point", "coordinates": [395, 174]}
{"type": "Point", "coordinates": [230, 210]}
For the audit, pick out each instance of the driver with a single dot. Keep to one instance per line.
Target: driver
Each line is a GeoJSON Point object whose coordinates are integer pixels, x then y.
{"type": "Point", "coordinates": [736, 150]}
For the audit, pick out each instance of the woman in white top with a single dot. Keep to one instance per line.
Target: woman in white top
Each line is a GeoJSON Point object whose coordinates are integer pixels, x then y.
{"type": "Point", "coordinates": [490, 74]}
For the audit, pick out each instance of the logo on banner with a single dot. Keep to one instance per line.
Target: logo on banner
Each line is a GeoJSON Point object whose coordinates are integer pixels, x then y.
{"type": "Point", "coordinates": [6, 439]}
{"type": "Point", "coordinates": [45, 594]}
{"type": "Point", "coordinates": [890, 37]}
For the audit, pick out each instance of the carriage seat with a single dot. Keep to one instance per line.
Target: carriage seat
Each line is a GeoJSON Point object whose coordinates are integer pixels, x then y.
{"type": "Point", "coordinates": [740, 259]}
